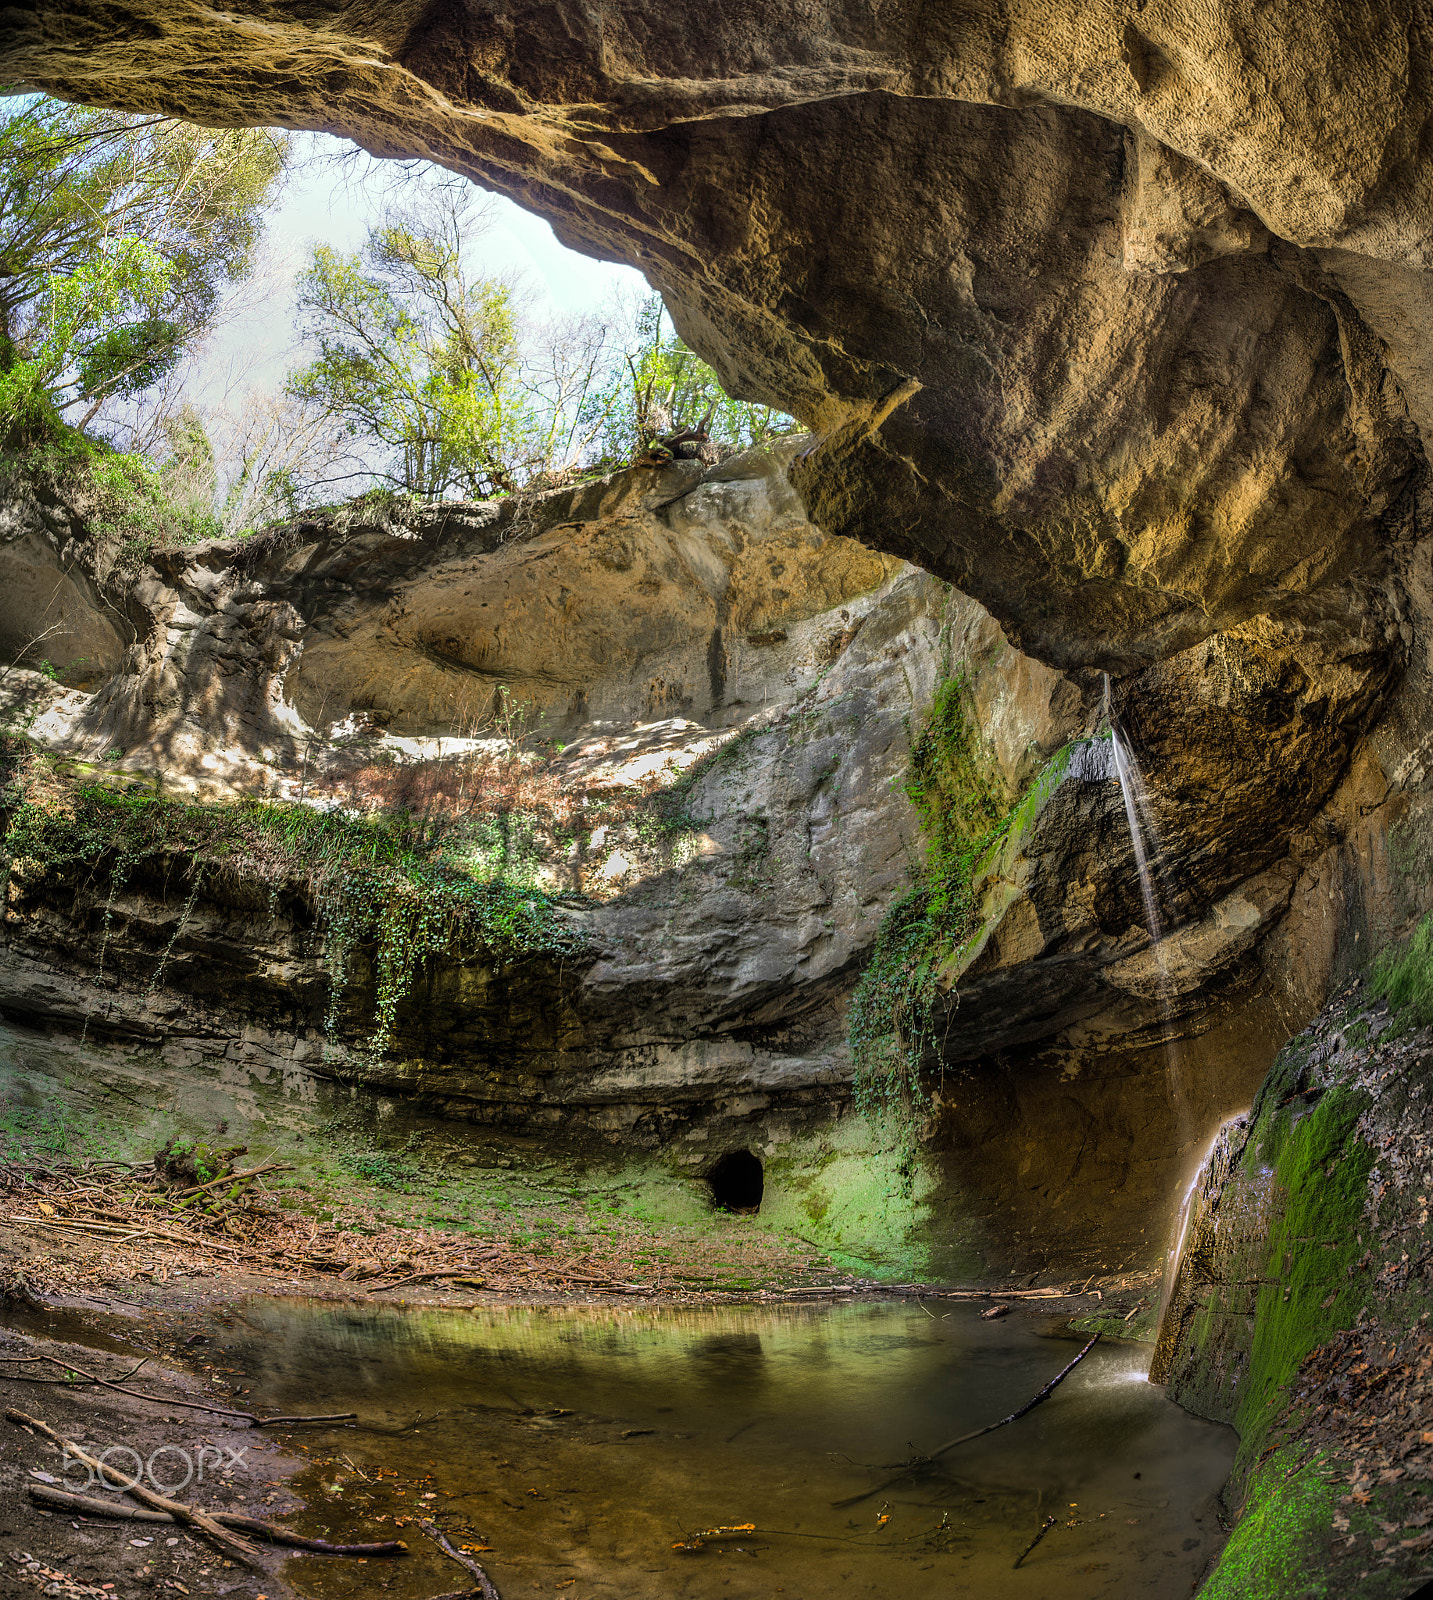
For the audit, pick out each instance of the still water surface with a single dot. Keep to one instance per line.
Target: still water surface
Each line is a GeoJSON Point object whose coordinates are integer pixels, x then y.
{"type": "Point", "coordinates": [581, 1443]}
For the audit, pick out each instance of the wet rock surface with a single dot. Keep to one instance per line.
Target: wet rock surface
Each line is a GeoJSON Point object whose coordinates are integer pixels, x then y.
{"type": "Point", "coordinates": [1298, 1312]}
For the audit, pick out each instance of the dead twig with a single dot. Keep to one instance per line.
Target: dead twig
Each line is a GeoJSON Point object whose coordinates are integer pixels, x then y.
{"type": "Point", "coordinates": [230, 1544]}
{"type": "Point", "coordinates": [1045, 1527]}
{"type": "Point", "coordinates": [169, 1400]}
{"type": "Point", "coordinates": [485, 1583]}
{"type": "Point", "coordinates": [920, 1463]}
{"type": "Point", "coordinates": [469, 1273]}
{"type": "Point", "coordinates": [117, 1510]}
{"type": "Point", "coordinates": [234, 1177]}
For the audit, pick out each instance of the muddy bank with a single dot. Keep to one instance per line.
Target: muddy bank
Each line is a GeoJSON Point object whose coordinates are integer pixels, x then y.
{"type": "Point", "coordinates": [221, 1465]}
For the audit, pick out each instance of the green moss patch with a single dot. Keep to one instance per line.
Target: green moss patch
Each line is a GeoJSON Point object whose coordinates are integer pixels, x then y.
{"type": "Point", "coordinates": [381, 883]}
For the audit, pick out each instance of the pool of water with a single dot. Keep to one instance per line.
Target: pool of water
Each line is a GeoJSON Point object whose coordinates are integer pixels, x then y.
{"type": "Point", "coordinates": [579, 1445]}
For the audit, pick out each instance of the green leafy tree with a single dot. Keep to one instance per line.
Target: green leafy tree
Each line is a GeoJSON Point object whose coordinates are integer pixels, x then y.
{"type": "Point", "coordinates": [418, 357]}
{"type": "Point", "coordinates": [660, 386]}
{"type": "Point", "coordinates": [440, 386]}
{"type": "Point", "coordinates": [119, 235]}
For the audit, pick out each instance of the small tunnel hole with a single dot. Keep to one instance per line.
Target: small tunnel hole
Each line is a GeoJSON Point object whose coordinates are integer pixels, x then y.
{"type": "Point", "coordinates": [736, 1182]}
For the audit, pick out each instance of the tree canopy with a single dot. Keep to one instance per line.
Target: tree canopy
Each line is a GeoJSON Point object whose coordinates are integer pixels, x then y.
{"type": "Point", "coordinates": [441, 385]}
{"type": "Point", "coordinates": [119, 235]}
{"type": "Point", "coordinates": [415, 367]}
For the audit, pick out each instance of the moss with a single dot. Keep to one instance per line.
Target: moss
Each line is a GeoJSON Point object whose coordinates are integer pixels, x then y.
{"type": "Point", "coordinates": [1291, 1232]}
{"type": "Point", "coordinates": [1314, 1237]}
{"type": "Point", "coordinates": [378, 883]}
{"type": "Point", "coordinates": [1112, 1324]}
{"type": "Point", "coordinates": [1404, 977]}
{"type": "Point", "coordinates": [929, 931]}
{"type": "Point", "coordinates": [1288, 1515]}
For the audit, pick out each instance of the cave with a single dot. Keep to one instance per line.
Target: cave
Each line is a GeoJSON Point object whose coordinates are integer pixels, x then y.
{"type": "Point", "coordinates": [736, 1182]}
{"type": "Point", "coordinates": [1002, 796]}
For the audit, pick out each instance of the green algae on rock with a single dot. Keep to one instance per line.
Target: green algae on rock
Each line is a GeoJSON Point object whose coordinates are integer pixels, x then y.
{"type": "Point", "coordinates": [1301, 1294]}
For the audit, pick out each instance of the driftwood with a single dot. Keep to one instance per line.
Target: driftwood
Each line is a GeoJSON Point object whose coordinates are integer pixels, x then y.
{"type": "Point", "coordinates": [117, 1510]}
{"type": "Point", "coordinates": [229, 1543]}
{"type": "Point", "coordinates": [164, 1399]}
{"type": "Point", "coordinates": [468, 1273]}
{"type": "Point", "coordinates": [485, 1584]}
{"type": "Point", "coordinates": [234, 1177]}
{"type": "Point", "coordinates": [920, 1463]}
{"type": "Point", "coordinates": [1045, 1527]}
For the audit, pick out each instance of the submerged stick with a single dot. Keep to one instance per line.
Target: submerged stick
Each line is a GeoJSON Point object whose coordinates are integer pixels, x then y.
{"type": "Point", "coordinates": [921, 1462]}
{"type": "Point", "coordinates": [117, 1510]}
{"type": "Point", "coordinates": [470, 1273]}
{"type": "Point", "coordinates": [1045, 1527]}
{"type": "Point", "coordinates": [228, 1543]}
{"type": "Point", "coordinates": [485, 1583]}
{"type": "Point", "coordinates": [168, 1400]}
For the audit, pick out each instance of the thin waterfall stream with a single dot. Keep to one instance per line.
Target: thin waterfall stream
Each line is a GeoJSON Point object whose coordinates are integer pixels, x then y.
{"type": "Point", "coordinates": [1144, 837]}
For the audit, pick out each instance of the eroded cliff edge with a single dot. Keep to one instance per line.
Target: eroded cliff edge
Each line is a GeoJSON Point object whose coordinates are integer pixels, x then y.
{"type": "Point", "coordinates": [1116, 317]}
{"type": "Point", "coordinates": [684, 717]}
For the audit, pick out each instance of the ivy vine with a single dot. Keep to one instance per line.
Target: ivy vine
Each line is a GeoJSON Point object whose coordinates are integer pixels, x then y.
{"type": "Point", "coordinates": [955, 787]}
{"type": "Point", "coordinates": [371, 883]}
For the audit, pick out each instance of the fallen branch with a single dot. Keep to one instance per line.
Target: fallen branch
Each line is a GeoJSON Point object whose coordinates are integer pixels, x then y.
{"type": "Point", "coordinates": [920, 1463]}
{"type": "Point", "coordinates": [424, 1277]}
{"type": "Point", "coordinates": [1000, 1294]}
{"type": "Point", "coordinates": [116, 1510]}
{"type": "Point", "coordinates": [234, 1177]}
{"type": "Point", "coordinates": [170, 1400]}
{"type": "Point", "coordinates": [269, 1422]}
{"type": "Point", "coordinates": [1045, 1527]}
{"type": "Point", "coordinates": [230, 1544]}
{"type": "Point", "coordinates": [485, 1583]}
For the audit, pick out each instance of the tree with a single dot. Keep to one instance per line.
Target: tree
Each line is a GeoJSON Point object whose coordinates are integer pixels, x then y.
{"type": "Point", "coordinates": [441, 386]}
{"type": "Point", "coordinates": [118, 237]}
{"type": "Point", "coordinates": [662, 386]}
{"type": "Point", "coordinates": [418, 357]}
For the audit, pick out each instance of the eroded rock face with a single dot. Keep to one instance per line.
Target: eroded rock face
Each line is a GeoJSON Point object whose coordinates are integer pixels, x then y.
{"type": "Point", "coordinates": [1115, 320]}
{"type": "Point", "coordinates": [690, 621]}
{"type": "Point", "coordinates": [638, 625]}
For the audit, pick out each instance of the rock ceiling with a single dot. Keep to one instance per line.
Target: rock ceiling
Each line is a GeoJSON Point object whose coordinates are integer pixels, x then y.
{"type": "Point", "coordinates": [1112, 314]}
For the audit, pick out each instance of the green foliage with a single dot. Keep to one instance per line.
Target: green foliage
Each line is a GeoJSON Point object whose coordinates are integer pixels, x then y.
{"type": "Point", "coordinates": [118, 237]}
{"type": "Point", "coordinates": [382, 1167]}
{"type": "Point", "coordinates": [417, 356]}
{"type": "Point", "coordinates": [438, 386]}
{"type": "Point", "coordinates": [661, 385]}
{"type": "Point", "coordinates": [1404, 977]}
{"type": "Point", "coordinates": [374, 884]}
{"type": "Point", "coordinates": [51, 1129]}
{"type": "Point", "coordinates": [192, 1162]}
{"type": "Point", "coordinates": [953, 786]}
{"type": "Point", "coordinates": [131, 505]}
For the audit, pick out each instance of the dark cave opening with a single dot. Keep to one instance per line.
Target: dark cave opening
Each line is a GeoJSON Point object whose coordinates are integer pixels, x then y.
{"type": "Point", "coordinates": [736, 1182]}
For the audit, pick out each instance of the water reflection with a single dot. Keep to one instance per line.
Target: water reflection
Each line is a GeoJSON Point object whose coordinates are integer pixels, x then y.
{"type": "Point", "coordinates": [581, 1443]}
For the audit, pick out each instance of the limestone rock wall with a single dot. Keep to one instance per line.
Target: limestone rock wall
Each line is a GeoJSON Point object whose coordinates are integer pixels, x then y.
{"type": "Point", "coordinates": [690, 621]}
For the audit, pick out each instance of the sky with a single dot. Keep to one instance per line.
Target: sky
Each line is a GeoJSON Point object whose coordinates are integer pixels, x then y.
{"type": "Point", "coordinates": [325, 204]}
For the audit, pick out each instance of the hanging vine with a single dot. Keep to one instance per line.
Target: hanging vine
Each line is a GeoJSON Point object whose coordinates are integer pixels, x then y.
{"type": "Point", "coordinates": [369, 888]}
{"type": "Point", "coordinates": [958, 797]}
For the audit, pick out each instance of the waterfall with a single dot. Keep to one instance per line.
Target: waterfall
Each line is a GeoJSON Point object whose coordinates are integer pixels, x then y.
{"type": "Point", "coordinates": [1193, 1236]}
{"type": "Point", "coordinates": [1144, 835]}
{"type": "Point", "coordinates": [1138, 815]}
